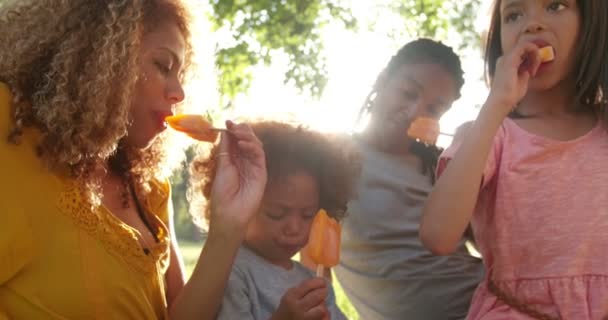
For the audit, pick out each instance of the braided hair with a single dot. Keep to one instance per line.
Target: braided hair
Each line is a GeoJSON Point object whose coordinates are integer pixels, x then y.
{"type": "Point", "coordinates": [416, 52]}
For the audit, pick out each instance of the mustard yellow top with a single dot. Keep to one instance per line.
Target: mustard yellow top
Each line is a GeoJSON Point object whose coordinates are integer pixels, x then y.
{"type": "Point", "coordinates": [61, 260]}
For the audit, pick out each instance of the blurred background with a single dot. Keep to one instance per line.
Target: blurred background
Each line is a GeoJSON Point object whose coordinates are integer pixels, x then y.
{"type": "Point", "coordinates": [314, 62]}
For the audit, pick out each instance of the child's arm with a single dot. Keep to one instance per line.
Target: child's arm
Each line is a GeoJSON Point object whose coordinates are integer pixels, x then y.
{"type": "Point", "coordinates": [449, 207]}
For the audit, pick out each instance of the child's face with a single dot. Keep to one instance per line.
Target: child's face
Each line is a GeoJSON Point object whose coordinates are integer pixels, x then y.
{"type": "Point", "coordinates": [555, 23]}
{"type": "Point", "coordinates": [414, 90]}
{"type": "Point", "coordinates": [281, 227]}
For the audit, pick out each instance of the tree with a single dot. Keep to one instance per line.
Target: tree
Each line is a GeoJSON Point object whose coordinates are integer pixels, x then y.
{"type": "Point", "coordinates": [262, 28]}
{"type": "Point", "coordinates": [259, 30]}
{"type": "Point", "coordinates": [437, 19]}
{"type": "Point", "coordinates": [182, 219]}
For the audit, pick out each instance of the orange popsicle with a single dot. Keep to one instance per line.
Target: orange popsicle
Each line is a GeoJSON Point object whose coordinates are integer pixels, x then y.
{"type": "Point", "coordinates": [546, 54]}
{"type": "Point", "coordinates": [194, 125]}
{"type": "Point", "coordinates": [424, 129]}
{"type": "Point", "coordinates": [324, 242]}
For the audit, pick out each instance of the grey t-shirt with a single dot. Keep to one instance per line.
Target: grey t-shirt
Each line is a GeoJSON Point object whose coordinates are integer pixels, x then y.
{"type": "Point", "coordinates": [255, 288]}
{"type": "Point", "coordinates": [384, 268]}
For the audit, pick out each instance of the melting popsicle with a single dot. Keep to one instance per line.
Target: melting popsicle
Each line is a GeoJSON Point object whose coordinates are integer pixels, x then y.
{"type": "Point", "coordinates": [323, 246]}
{"type": "Point", "coordinates": [424, 129]}
{"type": "Point", "coordinates": [546, 54]}
{"type": "Point", "coordinates": [194, 125]}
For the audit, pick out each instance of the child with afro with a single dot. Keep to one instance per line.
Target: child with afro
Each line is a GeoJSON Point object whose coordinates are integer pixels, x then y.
{"type": "Point", "coordinates": [307, 171]}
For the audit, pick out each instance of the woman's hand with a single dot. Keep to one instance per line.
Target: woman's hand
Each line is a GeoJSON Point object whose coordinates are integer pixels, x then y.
{"type": "Point", "coordinates": [240, 180]}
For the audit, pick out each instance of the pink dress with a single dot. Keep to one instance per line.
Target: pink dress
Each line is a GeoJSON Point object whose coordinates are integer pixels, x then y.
{"type": "Point", "coordinates": [541, 223]}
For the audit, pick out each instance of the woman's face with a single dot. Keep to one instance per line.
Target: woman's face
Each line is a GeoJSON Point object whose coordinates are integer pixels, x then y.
{"type": "Point", "coordinates": [412, 91]}
{"type": "Point", "coordinates": [159, 87]}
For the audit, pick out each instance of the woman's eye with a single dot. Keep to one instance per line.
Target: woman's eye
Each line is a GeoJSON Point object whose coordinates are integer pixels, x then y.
{"type": "Point", "coordinates": [164, 69]}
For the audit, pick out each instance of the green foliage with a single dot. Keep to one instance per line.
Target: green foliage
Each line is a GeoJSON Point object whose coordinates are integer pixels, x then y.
{"type": "Point", "coordinates": [462, 19]}
{"type": "Point", "coordinates": [262, 29]}
{"type": "Point", "coordinates": [259, 30]}
{"type": "Point", "coordinates": [184, 227]}
{"type": "Point", "coordinates": [437, 18]}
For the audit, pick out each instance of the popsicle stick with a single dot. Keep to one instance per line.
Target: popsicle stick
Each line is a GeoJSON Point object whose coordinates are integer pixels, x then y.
{"type": "Point", "coordinates": [218, 129]}
{"type": "Point", "coordinates": [320, 268]}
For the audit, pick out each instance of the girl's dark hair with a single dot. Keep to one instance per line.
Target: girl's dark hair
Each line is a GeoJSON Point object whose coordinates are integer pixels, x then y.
{"type": "Point", "coordinates": [416, 52]}
{"type": "Point", "coordinates": [591, 51]}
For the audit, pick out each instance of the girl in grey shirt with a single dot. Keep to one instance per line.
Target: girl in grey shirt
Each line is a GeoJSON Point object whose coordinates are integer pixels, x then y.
{"type": "Point", "coordinates": [384, 269]}
{"type": "Point", "coordinates": [307, 171]}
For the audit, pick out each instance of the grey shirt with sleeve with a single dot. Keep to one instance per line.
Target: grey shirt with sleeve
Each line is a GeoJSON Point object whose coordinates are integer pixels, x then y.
{"type": "Point", "coordinates": [384, 269]}
{"type": "Point", "coordinates": [255, 288]}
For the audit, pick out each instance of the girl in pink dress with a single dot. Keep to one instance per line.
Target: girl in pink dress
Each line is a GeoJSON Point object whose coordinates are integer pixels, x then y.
{"type": "Point", "coordinates": [531, 173]}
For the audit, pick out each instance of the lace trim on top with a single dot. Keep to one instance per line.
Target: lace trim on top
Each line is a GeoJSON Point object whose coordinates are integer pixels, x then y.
{"type": "Point", "coordinates": [116, 236]}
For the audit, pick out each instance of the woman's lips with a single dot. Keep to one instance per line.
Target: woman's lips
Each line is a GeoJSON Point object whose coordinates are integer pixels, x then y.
{"type": "Point", "coordinates": [160, 118]}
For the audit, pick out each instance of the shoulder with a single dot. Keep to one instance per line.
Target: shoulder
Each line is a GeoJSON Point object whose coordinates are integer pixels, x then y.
{"type": "Point", "coordinates": [5, 104]}
{"type": "Point", "coordinates": [462, 130]}
{"type": "Point", "coordinates": [16, 246]}
{"type": "Point", "coordinates": [21, 170]}
{"type": "Point", "coordinates": [467, 128]}
{"type": "Point", "coordinates": [16, 242]}
{"type": "Point", "coordinates": [160, 190]}
{"type": "Point", "coordinates": [302, 269]}
{"type": "Point", "coordinates": [158, 199]}
{"type": "Point", "coordinates": [241, 273]}
{"type": "Point", "coordinates": [5, 115]}
{"type": "Point", "coordinates": [245, 259]}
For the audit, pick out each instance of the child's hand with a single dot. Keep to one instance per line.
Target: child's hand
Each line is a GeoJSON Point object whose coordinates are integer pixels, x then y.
{"type": "Point", "coordinates": [304, 302]}
{"type": "Point", "coordinates": [513, 72]}
{"type": "Point", "coordinates": [239, 181]}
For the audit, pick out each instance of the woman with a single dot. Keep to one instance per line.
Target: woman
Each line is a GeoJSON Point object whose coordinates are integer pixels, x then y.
{"type": "Point", "coordinates": [86, 226]}
{"type": "Point", "coordinates": [384, 269]}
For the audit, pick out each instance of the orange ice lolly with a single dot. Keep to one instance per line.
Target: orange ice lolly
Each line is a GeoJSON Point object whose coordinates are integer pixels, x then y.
{"type": "Point", "coordinates": [424, 129]}
{"type": "Point", "coordinates": [324, 242]}
{"type": "Point", "coordinates": [546, 54]}
{"type": "Point", "coordinates": [194, 125]}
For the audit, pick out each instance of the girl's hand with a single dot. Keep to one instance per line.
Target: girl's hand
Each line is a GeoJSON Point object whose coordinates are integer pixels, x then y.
{"type": "Point", "coordinates": [239, 182]}
{"type": "Point", "coordinates": [513, 72]}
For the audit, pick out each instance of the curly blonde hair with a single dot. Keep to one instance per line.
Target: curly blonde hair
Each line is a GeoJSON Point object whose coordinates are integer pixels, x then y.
{"type": "Point", "coordinates": [289, 149]}
{"type": "Point", "coordinates": [72, 66]}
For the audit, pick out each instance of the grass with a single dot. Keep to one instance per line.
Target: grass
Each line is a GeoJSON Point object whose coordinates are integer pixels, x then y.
{"type": "Point", "coordinates": [190, 252]}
